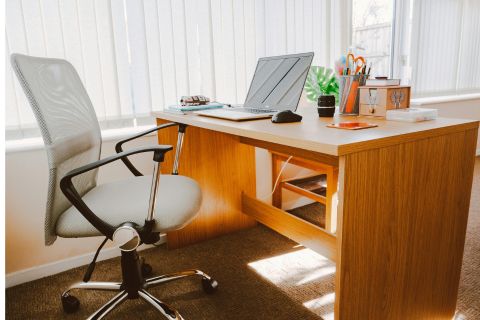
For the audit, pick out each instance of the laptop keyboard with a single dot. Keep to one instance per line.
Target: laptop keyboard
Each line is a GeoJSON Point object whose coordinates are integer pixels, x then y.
{"type": "Point", "coordinates": [256, 111]}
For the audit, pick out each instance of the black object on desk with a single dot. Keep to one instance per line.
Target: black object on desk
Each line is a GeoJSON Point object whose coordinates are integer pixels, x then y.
{"type": "Point", "coordinates": [286, 116]}
{"type": "Point", "coordinates": [326, 105]}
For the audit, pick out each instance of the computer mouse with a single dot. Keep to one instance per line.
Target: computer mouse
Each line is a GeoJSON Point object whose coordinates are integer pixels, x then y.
{"type": "Point", "coordinates": [286, 116]}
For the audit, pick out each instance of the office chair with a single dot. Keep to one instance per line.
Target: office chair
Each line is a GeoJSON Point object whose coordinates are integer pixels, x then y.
{"type": "Point", "coordinates": [128, 212]}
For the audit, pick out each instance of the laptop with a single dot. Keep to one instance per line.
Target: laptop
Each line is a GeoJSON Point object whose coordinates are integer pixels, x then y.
{"type": "Point", "coordinates": [277, 85]}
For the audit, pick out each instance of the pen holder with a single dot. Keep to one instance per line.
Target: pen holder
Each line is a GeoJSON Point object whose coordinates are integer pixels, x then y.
{"type": "Point", "coordinates": [349, 97]}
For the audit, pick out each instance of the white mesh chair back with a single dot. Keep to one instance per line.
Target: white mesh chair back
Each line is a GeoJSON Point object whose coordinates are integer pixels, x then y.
{"type": "Point", "coordinates": [68, 125]}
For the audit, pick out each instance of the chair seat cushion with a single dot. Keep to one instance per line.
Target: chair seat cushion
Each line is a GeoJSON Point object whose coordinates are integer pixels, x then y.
{"type": "Point", "coordinates": [178, 200]}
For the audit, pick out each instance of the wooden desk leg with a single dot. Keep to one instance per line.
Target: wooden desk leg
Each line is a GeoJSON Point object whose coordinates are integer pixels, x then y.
{"type": "Point", "coordinates": [277, 194]}
{"type": "Point", "coordinates": [224, 168]}
{"type": "Point", "coordinates": [331, 200]}
{"type": "Point", "coordinates": [401, 229]}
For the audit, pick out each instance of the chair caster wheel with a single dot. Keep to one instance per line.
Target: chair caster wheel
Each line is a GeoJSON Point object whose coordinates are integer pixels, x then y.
{"type": "Point", "coordinates": [70, 303]}
{"type": "Point", "coordinates": [146, 269]}
{"type": "Point", "coordinates": [209, 286]}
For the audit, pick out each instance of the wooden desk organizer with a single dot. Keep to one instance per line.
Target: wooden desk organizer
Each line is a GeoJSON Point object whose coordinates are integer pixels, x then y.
{"type": "Point", "coordinates": [375, 101]}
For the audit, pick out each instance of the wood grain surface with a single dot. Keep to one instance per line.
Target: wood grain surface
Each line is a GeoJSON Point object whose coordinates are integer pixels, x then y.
{"type": "Point", "coordinates": [403, 217]}
{"type": "Point", "coordinates": [312, 133]}
{"type": "Point", "coordinates": [297, 229]}
{"type": "Point", "coordinates": [224, 168]}
{"type": "Point", "coordinates": [403, 199]}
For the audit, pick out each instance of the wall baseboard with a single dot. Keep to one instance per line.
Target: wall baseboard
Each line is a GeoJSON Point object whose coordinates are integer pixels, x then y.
{"type": "Point", "coordinates": [45, 270]}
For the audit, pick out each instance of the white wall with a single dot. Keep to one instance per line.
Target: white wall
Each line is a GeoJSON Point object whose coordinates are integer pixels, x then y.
{"type": "Point", "coordinates": [26, 178]}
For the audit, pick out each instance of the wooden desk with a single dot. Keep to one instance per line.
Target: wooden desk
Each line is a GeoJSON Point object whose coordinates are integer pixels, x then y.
{"type": "Point", "coordinates": [404, 192]}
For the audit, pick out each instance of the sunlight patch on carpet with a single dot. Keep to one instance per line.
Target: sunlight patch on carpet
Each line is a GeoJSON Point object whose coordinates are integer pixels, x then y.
{"type": "Point", "coordinates": [301, 266]}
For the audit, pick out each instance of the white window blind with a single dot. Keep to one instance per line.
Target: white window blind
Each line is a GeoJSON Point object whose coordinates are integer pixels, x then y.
{"type": "Point", "coordinates": [89, 34]}
{"type": "Point", "coordinates": [137, 56]}
{"type": "Point", "coordinates": [445, 46]}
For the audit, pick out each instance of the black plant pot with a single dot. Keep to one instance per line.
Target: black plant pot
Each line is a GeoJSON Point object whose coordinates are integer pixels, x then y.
{"type": "Point", "coordinates": [326, 106]}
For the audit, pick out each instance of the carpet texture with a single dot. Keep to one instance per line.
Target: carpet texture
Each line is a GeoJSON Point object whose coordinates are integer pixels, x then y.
{"type": "Point", "coordinates": [243, 293]}
{"type": "Point", "coordinates": [313, 213]}
{"type": "Point", "coordinates": [468, 303]}
{"type": "Point", "coordinates": [262, 275]}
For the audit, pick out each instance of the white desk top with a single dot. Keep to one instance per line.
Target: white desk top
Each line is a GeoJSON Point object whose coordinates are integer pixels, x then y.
{"type": "Point", "coordinates": [312, 133]}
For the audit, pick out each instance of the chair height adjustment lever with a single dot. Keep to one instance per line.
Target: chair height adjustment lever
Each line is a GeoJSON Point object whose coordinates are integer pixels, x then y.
{"type": "Point", "coordinates": [146, 233]}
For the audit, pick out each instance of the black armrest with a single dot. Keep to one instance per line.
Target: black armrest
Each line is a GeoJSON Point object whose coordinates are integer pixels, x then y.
{"type": "Point", "coordinates": [72, 195]}
{"type": "Point", "coordinates": [126, 161]}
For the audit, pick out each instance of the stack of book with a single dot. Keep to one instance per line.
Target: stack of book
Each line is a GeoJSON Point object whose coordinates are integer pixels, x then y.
{"type": "Point", "coordinates": [382, 82]}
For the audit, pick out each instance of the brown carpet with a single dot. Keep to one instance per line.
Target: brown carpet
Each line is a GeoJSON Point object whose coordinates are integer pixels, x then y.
{"type": "Point", "coordinates": [468, 303]}
{"type": "Point", "coordinates": [313, 213]}
{"type": "Point", "coordinates": [243, 292]}
{"type": "Point", "coordinates": [262, 275]}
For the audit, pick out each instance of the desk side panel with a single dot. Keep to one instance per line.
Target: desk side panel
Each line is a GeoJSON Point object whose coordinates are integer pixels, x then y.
{"type": "Point", "coordinates": [224, 168]}
{"type": "Point", "coordinates": [402, 228]}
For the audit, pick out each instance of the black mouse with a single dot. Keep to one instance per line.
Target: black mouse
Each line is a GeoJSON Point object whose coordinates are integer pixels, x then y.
{"type": "Point", "coordinates": [286, 116]}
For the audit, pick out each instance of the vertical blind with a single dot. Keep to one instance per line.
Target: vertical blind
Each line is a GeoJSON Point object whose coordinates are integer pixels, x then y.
{"type": "Point", "coordinates": [135, 56]}
{"type": "Point", "coordinates": [445, 46]}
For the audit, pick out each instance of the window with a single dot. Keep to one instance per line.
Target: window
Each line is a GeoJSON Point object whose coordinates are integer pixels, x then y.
{"type": "Point", "coordinates": [138, 56]}
{"type": "Point", "coordinates": [431, 44]}
{"type": "Point", "coordinates": [372, 33]}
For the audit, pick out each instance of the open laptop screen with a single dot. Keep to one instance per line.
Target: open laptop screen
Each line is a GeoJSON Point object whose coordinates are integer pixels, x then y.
{"type": "Point", "coordinates": [278, 82]}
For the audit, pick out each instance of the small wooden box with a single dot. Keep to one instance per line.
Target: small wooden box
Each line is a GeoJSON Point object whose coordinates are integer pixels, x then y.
{"type": "Point", "coordinates": [375, 101]}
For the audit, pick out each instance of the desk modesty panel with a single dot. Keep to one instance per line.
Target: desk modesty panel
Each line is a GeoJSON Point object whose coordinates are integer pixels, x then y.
{"type": "Point", "coordinates": [403, 199]}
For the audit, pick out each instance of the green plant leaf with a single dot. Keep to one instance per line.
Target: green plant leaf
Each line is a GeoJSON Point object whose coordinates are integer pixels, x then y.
{"type": "Point", "coordinates": [321, 81]}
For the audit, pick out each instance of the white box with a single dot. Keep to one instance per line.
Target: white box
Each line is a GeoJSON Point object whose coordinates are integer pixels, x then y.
{"type": "Point", "coordinates": [412, 114]}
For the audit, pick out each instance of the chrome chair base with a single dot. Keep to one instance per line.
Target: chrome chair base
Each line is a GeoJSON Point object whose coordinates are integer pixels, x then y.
{"type": "Point", "coordinates": [133, 287]}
